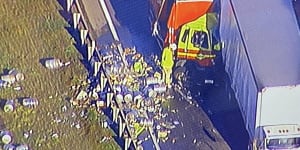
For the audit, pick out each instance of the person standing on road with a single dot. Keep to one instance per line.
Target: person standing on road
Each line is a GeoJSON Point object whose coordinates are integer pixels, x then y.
{"type": "Point", "coordinates": [138, 67]}
{"type": "Point", "coordinates": [167, 63]}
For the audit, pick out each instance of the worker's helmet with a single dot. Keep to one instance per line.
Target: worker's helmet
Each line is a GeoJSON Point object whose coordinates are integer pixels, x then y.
{"type": "Point", "coordinates": [173, 46]}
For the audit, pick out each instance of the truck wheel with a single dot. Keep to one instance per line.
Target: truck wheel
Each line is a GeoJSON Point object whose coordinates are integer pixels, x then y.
{"type": "Point", "coordinates": [180, 63]}
{"type": "Point", "coordinates": [252, 146]}
{"type": "Point", "coordinates": [179, 73]}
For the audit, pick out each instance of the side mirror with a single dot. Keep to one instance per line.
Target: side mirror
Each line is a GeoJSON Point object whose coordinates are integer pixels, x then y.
{"type": "Point", "coordinates": [217, 47]}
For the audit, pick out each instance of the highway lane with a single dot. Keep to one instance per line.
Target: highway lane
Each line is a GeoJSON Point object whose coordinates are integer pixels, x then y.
{"type": "Point", "coordinates": [219, 103]}
{"type": "Point", "coordinates": [195, 130]}
{"type": "Point", "coordinates": [135, 29]}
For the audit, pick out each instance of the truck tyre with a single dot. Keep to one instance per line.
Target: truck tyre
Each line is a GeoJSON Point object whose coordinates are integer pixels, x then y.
{"type": "Point", "coordinates": [180, 63]}
{"type": "Point", "coordinates": [252, 145]}
{"type": "Point", "coordinates": [179, 72]}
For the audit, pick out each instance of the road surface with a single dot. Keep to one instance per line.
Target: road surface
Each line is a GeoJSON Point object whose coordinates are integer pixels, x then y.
{"type": "Point", "coordinates": [134, 28]}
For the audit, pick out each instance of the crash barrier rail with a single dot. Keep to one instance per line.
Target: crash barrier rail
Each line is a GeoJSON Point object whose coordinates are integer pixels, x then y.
{"type": "Point", "coordinates": [110, 84]}
{"type": "Point", "coordinates": [80, 23]}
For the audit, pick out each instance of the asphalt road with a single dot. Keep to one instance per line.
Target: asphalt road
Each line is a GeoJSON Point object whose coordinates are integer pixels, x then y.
{"type": "Point", "coordinates": [195, 130]}
{"type": "Point", "coordinates": [219, 103]}
{"type": "Point", "coordinates": [221, 107]}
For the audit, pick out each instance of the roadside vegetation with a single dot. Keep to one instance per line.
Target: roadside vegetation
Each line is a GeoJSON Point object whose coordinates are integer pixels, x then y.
{"type": "Point", "coordinates": [31, 30]}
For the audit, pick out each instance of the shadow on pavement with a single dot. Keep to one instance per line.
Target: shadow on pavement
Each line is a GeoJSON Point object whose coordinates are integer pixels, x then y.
{"type": "Point", "coordinates": [219, 103]}
{"type": "Point", "coordinates": [134, 15]}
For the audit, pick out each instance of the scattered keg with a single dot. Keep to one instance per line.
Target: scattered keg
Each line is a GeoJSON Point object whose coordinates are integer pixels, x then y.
{"type": "Point", "coordinates": [147, 122]}
{"type": "Point", "coordinates": [12, 76]}
{"type": "Point", "coordinates": [149, 91]}
{"type": "Point", "coordinates": [117, 88]}
{"type": "Point", "coordinates": [137, 97]}
{"type": "Point", "coordinates": [160, 88]}
{"type": "Point", "coordinates": [140, 147]}
{"type": "Point", "coordinates": [148, 102]}
{"type": "Point", "coordinates": [140, 102]}
{"type": "Point", "coordinates": [6, 137]}
{"type": "Point", "coordinates": [22, 147]}
{"type": "Point", "coordinates": [9, 78]}
{"type": "Point", "coordinates": [119, 98]}
{"type": "Point", "coordinates": [100, 103]}
{"type": "Point", "coordinates": [9, 106]}
{"type": "Point", "coordinates": [53, 63]}
{"type": "Point", "coordinates": [130, 116]}
{"type": "Point", "coordinates": [30, 102]}
{"type": "Point", "coordinates": [18, 75]}
{"type": "Point", "coordinates": [9, 147]}
{"type": "Point", "coordinates": [3, 84]}
{"type": "Point", "coordinates": [152, 80]}
{"type": "Point", "coordinates": [128, 97]}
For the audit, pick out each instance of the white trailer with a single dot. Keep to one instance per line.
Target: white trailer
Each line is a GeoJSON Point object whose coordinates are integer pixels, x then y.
{"type": "Point", "coordinates": [262, 58]}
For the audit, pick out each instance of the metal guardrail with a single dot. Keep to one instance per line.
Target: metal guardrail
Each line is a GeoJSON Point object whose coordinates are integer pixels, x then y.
{"type": "Point", "coordinates": [80, 23]}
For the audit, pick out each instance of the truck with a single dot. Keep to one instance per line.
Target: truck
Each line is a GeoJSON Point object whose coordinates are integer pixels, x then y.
{"type": "Point", "coordinates": [261, 56]}
{"type": "Point", "coordinates": [190, 30]}
{"type": "Point", "coordinates": [260, 51]}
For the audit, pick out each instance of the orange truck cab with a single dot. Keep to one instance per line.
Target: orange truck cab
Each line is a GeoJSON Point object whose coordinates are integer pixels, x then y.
{"type": "Point", "coordinates": [191, 28]}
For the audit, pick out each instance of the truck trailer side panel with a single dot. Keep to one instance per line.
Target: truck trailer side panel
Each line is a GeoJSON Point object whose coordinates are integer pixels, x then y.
{"type": "Point", "coordinates": [237, 66]}
{"type": "Point", "coordinates": [271, 34]}
{"type": "Point", "coordinates": [262, 49]}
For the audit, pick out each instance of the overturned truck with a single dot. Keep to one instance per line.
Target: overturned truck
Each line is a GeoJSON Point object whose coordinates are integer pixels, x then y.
{"type": "Point", "coordinates": [261, 56]}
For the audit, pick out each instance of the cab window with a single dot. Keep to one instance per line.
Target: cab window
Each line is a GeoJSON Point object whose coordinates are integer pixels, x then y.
{"type": "Point", "coordinates": [283, 143]}
{"type": "Point", "coordinates": [200, 39]}
{"type": "Point", "coordinates": [185, 35]}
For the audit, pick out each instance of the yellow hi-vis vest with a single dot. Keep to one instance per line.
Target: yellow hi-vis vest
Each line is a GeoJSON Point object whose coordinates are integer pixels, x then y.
{"type": "Point", "coordinates": [138, 67]}
{"type": "Point", "coordinates": [167, 58]}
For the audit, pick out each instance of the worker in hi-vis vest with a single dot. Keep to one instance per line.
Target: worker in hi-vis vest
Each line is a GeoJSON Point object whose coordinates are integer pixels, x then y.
{"type": "Point", "coordinates": [167, 63]}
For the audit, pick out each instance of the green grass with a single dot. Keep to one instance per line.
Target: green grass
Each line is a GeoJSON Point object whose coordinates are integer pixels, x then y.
{"type": "Point", "coordinates": [29, 31]}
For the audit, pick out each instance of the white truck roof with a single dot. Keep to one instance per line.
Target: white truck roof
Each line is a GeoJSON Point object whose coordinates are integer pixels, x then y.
{"type": "Point", "coordinates": [262, 49]}
{"type": "Point", "coordinates": [271, 36]}
{"type": "Point", "coordinates": [279, 106]}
